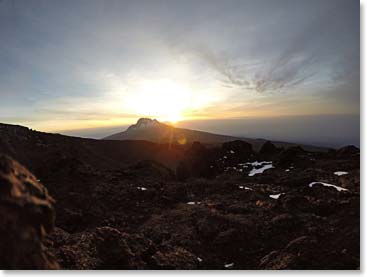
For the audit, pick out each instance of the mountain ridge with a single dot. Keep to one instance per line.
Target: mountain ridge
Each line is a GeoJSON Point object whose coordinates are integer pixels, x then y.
{"type": "Point", "coordinates": [158, 132]}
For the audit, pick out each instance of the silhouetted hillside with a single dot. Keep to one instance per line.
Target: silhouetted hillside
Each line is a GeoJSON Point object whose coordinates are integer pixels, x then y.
{"type": "Point", "coordinates": [155, 131]}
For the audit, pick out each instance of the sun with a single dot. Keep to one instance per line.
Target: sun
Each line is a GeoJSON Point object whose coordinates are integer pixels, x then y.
{"type": "Point", "coordinates": [164, 100]}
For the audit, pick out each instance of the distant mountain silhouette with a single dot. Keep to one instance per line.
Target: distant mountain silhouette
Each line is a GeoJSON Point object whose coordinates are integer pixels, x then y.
{"type": "Point", "coordinates": [158, 132]}
{"type": "Point", "coordinates": [155, 131]}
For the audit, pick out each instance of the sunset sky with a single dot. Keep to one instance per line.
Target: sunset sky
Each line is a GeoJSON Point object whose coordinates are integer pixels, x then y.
{"type": "Point", "coordinates": [71, 65]}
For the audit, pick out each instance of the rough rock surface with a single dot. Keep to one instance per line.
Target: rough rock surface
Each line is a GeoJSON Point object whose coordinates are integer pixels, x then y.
{"type": "Point", "coordinates": [26, 216]}
{"type": "Point", "coordinates": [116, 210]}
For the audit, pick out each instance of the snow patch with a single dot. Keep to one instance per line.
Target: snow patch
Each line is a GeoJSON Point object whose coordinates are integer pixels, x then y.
{"type": "Point", "coordinates": [256, 163]}
{"type": "Point", "coordinates": [193, 203]}
{"type": "Point", "coordinates": [229, 265]}
{"type": "Point", "coordinates": [340, 173]}
{"type": "Point", "coordinates": [327, 185]}
{"type": "Point", "coordinates": [141, 188]}
{"type": "Point", "coordinates": [264, 166]}
{"type": "Point", "coordinates": [244, 187]}
{"type": "Point", "coordinates": [276, 196]}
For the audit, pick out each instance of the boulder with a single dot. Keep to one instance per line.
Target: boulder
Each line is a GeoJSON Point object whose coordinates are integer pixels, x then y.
{"type": "Point", "coordinates": [299, 253]}
{"type": "Point", "coordinates": [238, 147]}
{"type": "Point", "coordinates": [174, 258]}
{"type": "Point", "coordinates": [196, 163]}
{"type": "Point", "coordinates": [114, 250]}
{"type": "Point", "coordinates": [26, 216]}
{"type": "Point", "coordinates": [151, 169]}
{"type": "Point", "coordinates": [291, 155]}
{"type": "Point", "coordinates": [268, 149]}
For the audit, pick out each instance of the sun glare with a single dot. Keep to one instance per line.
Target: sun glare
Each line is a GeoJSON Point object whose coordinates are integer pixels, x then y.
{"type": "Point", "coordinates": [164, 100]}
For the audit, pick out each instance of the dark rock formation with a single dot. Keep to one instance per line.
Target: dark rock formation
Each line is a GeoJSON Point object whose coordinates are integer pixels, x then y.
{"type": "Point", "coordinates": [268, 149]}
{"type": "Point", "coordinates": [300, 251]}
{"type": "Point", "coordinates": [118, 250]}
{"type": "Point", "coordinates": [109, 248]}
{"type": "Point", "coordinates": [182, 171]}
{"type": "Point", "coordinates": [152, 169]}
{"type": "Point", "coordinates": [290, 156]}
{"type": "Point", "coordinates": [239, 147]}
{"type": "Point", "coordinates": [348, 151]}
{"type": "Point", "coordinates": [26, 216]}
{"type": "Point", "coordinates": [197, 163]}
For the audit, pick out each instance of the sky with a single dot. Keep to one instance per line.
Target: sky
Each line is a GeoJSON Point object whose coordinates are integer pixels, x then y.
{"type": "Point", "coordinates": [86, 67]}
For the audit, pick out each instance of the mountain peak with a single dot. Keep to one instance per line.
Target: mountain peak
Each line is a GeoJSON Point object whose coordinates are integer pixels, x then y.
{"type": "Point", "coordinates": [143, 123]}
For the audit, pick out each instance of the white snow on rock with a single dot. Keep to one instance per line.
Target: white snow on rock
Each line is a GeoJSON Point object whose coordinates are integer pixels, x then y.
{"type": "Point", "coordinates": [276, 196]}
{"type": "Point", "coordinates": [243, 187]}
{"type": "Point", "coordinates": [242, 165]}
{"type": "Point", "coordinates": [193, 203]}
{"type": "Point", "coordinates": [229, 265]}
{"type": "Point", "coordinates": [264, 166]}
{"type": "Point", "coordinates": [232, 152]}
{"type": "Point", "coordinates": [141, 188]}
{"type": "Point", "coordinates": [256, 163]}
{"type": "Point", "coordinates": [287, 170]}
{"type": "Point", "coordinates": [327, 185]}
{"type": "Point", "coordinates": [199, 259]}
{"type": "Point", "coordinates": [340, 173]}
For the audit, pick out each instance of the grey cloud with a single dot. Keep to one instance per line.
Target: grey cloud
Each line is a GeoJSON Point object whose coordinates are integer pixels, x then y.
{"type": "Point", "coordinates": [318, 46]}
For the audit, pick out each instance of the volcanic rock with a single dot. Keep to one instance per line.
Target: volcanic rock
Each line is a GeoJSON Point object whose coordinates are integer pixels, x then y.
{"type": "Point", "coordinates": [26, 216]}
{"type": "Point", "coordinates": [239, 147]}
{"type": "Point", "coordinates": [268, 149]}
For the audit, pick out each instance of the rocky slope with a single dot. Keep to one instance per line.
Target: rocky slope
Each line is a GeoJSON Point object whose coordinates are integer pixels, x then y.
{"type": "Point", "coordinates": [139, 205]}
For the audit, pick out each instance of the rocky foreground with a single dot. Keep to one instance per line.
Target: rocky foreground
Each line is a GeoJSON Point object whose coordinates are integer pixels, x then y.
{"type": "Point", "coordinates": [225, 207]}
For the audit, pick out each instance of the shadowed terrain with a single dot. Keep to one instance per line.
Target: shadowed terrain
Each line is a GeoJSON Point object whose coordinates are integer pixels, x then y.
{"type": "Point", "coordinates": [141, 205]}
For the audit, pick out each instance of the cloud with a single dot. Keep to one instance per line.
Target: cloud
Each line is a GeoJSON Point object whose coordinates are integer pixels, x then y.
{"type": "Point", "coordinates": [72, 61]}
{"type": "Point", "coordinates": [287, 71]}
{"type": "Point", "coordinates": [323, 45]}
